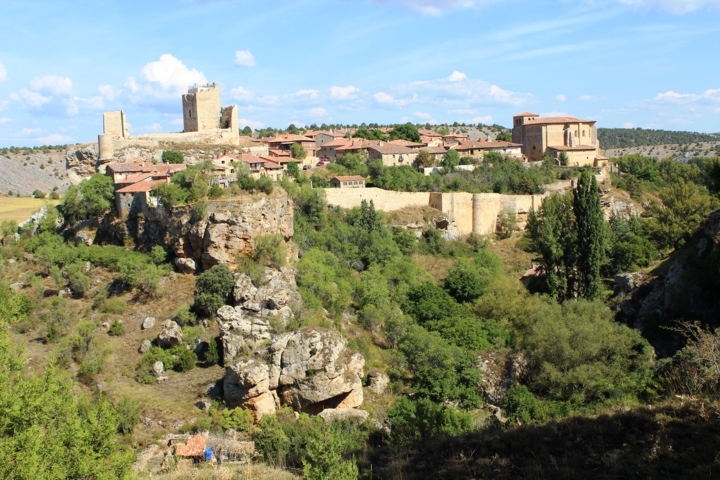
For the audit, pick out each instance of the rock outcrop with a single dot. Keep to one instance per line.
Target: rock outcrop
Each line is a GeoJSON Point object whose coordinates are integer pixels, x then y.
{"type": "Point", "coordinates": [310, 369]}
{"type": "Point", "coordinates": [171, 335]}
{"type": "Point", "coordinates": [81, 163]}
{"type": "Point", "coordinates": [502, 369]}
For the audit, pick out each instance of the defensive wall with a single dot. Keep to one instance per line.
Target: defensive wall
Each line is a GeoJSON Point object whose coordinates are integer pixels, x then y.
{"type": "Point", "coordinates": [472, 212]}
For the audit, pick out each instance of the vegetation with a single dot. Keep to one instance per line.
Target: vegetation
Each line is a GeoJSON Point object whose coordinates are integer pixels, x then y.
{"type": "Point", "coordinates": [298, 152]}
{"type": "Point", "coordinates": [213, 287]}
{"type": "Point", "coordinates": [170, 156]}
{"type": "Point", "coordinates": [93, 197]}
{"type": "Point", "coordinates": [638, 137]}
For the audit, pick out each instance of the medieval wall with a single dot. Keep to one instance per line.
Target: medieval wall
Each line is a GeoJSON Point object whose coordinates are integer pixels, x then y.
{"type": "Point", "coordinates": [476, 213]}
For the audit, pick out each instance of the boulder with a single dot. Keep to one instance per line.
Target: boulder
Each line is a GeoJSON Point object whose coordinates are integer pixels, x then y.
{"type": "Point", "coordinates": [247, 384]}
{"type": "Point", "coordinates": [203, 405]}
{"type": "Point", "coordinates": [237, 330]}
{"type": "Point", "coordinates": [378, 382]}
{"type": "Point", "coordinates": [145, 346]}
{"type": "Point", "coordinates": [502, 369]}
{"type": "Point", "coordinates": [17, 286]}
{"type": "Point", "coordinates": [244, 289]}
{"type": "Point", "coordinates": [185, 265]}
{"type": "Point", "coordinates": [158, 368]}
{"type": "Point", "coordinates": [84, 237]}
{"type": "Point", "coordinates": [149, 322]}
{"type": "Point", "coordinates": [314, 370]}
{"type": "Point", "coordinates": [344, 414]}
{"type": "Point", "coordinates": [171, 335]}
{"type": "Point", "coordinates": [628, 281]}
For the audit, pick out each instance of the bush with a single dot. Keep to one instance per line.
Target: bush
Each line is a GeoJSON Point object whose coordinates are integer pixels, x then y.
{"type": "Point", "coordinates": [128, 415]}
{"type": "Point", "coordinates": [520, 405]}
{"type": "Point", "coordinates": [185, 316]}
{"type": "Point", "coordinates": [423, 419]}
{"type": "Point", "coordinates": [92, 197]}
{"type": "Point", "coordinates": [54, 196]}
{"type": "Point", "coordinates": [158, 255]}
{"type": "Point", "coordinates": [186, 361]}
{"type": "Point", "coordinates": [116, 329]}
{"type": "Point", "coordinates": [212, 355]}
{"type": "Point", "coordinates": [298, 152]}
{"type": "Point", "coordinates": [265, 185]}
{"type": "Point", "coordinates": [78, 281]}
{"type": "Point", "coordinates": [213, 287]}
{"type": "Point", "coordinates": [269, 250]}
{"type": "Point", "coordinates": [235, 418]}
{"type": "Point", "coordinates": [39, 194]}
{"type": "Point", "coordinates": [169, 156]}
{"type": "Point", "coordinates": [113, 306]}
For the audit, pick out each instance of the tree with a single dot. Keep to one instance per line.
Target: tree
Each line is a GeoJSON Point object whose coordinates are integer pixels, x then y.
{"type": "Point", "coordinates": [504, 136]}
{"type": "Point", "coordinates": [443, 131]}
{"type": "Point", "coordinates": [93, 197]}
{"type": "Point", "coordinates": [39, 194]}
{"type": "Point", "coordinates": [293, 169]}
{"type": "Point", "coordinates": [407, 132]}
{"type": "Point", "coordinates": [212, 289]}
{"type": "Point", "coordinates": [450, 160]}
{"type": "Point", "coordinates": [169, 156]}
{"type": "Point", "coordinates": [293, 130]}
{"type": "Point", "coordinates": [590, 224]}
{"type": "Point", "coordinates": [424, 159]}
{"type": "Point", "coordinates": [369, 219]}
{"type": "Point", "coordinates": [298, 152]}
{"type": "Point", "coordinates": [247, 131]}
{"type": "Point", "coordinates": [563, 158]}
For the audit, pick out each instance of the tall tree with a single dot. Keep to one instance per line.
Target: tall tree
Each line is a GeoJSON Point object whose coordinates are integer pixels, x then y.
{"type": "Point", "coordinates": [590, 235]}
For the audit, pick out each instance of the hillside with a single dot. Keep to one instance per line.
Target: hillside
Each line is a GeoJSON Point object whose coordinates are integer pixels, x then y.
{"type": "Point", "coordinates": [612, 138]}
{"type": "Point", "coordinates": [26, 170]}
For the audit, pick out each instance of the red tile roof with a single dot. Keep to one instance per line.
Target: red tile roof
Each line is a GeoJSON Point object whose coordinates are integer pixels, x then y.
{"type": "Point", "coordinates": [280, 153]}
{"type": "Point", "coordinates": [434, 150]}
{"type": "Point", "coordinates": [407, 143]}
{"type": "Point", "coordinates": [526, 114]}
{"type": "Point", "coordinates": [553, 120]}
{"type": "Point", "coordinates": [288, 138]}
{"type": "Point", "coordinates": [141, 186]}
{"type": "Point", "coordinates": [385, 148]}
{"type": "Point", "coordinates": [195, 446]}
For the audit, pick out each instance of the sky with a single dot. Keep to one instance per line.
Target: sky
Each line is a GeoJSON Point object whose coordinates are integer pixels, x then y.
{"type": "Point", "coordinates": [624, 63]}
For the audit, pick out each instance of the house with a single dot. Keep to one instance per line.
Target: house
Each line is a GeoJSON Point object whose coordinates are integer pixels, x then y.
{"type": "Point", "coordinates": [134, 199]}
{"type": "Point", "coordinates": [409, 144]}
{"type": "Point", "coordinates": [343, 146]}
{"type": "Point", "coordinates": [432, 139]}
{"type": "Point", "coordinates": [453, 138]}
{"type": "Point", "coordinates": [575, 138]}
{"type": "Point", "coordinates": [325, 136]}
{"type": "Point", "coordinates": [347, 181]}
{"type": "Point", "coordinates": [478, 148]}
{"type": "Point", "coordinates": [264, 166]}
{"type": "Point", "coordinates": [280, 146]}
{"type": "Point", "coordinates": [272, 169]}
{"type": "Point", "coordinates": [437, 152]}
{"type": "Point", "coordinates": [124, 174]}
{"type": "Point", "coordinates": [392, 155]}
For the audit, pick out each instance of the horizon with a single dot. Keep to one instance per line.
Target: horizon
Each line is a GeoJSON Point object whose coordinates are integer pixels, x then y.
{"type": "Point", "coordinates": [353, 62]}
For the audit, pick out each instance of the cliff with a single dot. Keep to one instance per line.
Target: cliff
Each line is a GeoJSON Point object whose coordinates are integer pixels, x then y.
{"type": "Point", "coordinates": [224, 232]}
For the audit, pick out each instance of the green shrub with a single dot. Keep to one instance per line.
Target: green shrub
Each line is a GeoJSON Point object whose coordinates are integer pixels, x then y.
{"type": "Point", "coordinates": [236, 418]}
{"type": "Point", "coordinates": [212, 355]}
{"type": "Point", "coordinates": [185, 316]}
{"type": "Point", "coordinates": [520, 405]}
{"type": "Point", "coordinates": [113, 306]}
{"type": "Point", "coordinates": [54, 196]}
{"type": "Point", "coordinates": [128, 415]}
{"type": "Point", "coordinates": [78, 281]}
{"type": "Point", "coordinates": [216, 191]}
{"type": "Point", "coordinates": [158, 255]}
{"type": "Point", "coordinates": [265, 185]}
{"type": "Point", "coordinates": [92, 197]}
{"type": "Point", "coordinates": [93, 361]}
{"type": "Point", "coordinates": [157, 354]}
{"type": "Point", "coordinates": [213, 287]}
{"type": "Point", "coordinates": [186, 361]}
{"type": "Point", "coordinates": [39, 194]}
{"type": "Point", "coordinates": [269, 250]}
{"type": "Point", "coordinates": [423, 419]}
{"type": "Point", "coordinates": [116, 329]}
{"type": "Point", "coordinates": [169, 156]}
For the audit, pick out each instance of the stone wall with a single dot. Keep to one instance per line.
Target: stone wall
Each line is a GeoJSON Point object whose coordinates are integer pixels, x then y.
{"type": "Point", "coordinates": [115, 124]}
{"type": "Point", "coordinates": [476, 213]}
{"type": "Point", "coordinates": [201, 108]}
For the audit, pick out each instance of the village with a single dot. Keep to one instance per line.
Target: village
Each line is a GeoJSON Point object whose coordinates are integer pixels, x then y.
{"type": "Point", "coordinates": [569, 141]}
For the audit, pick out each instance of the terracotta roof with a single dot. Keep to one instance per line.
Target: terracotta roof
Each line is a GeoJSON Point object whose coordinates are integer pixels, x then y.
{"type": "Point", "coordinates": [270, 163]}
{"type": "Point", "coordinates": [347, 178]}
{"type": "Point", "coordinates": [407, 143]}
{"type": "Point", "coordinates": [288, 138]}
{"type": "Point", "coordinates": [565, 148]}
{"type": "Point", "coordinates": [526, 114]}
{"type": "Point", "coordinates": [195, 446]}
{"type": "Point", "coordinates": [385, 148]}
{"type": "Point", "coordinates": [434, 150]}
{"type": "Point", "coordinates": [429, 133]}
{"type": "Point", "coordinates": [141, 186]}
{"type": "Point", "coordinates": [139, 177]}
{"type": "Point", "coordinates": [118, 167]}
{"type": "Point", "coordinates": [331, 133]}
{"type": "Point", "coordinates": [455, 135]}
{"type": "Point", "coordinates": [552, 120]}
{"type": "Point", "coordinates": [355, 143]}
{"type": "Point", "coordinates": [499, 144]}
{"type": "Point", "coordinates": [280, 153]}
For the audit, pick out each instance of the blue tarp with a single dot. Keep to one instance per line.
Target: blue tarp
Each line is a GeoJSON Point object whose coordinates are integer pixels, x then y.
{"type": "Point", "coordinates": [208, 454]}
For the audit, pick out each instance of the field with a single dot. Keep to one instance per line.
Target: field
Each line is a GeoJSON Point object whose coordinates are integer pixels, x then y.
{"type": "Point", "coordinates": [20, 209]}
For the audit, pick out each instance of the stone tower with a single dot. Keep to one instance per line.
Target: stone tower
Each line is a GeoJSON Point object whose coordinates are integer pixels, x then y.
{"type": "Point", "coordinates": [201, 108]}
{"type": "Point", "coordinates": [115, 124]}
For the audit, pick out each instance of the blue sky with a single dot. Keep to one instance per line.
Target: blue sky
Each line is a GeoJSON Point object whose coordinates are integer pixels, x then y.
{"type": "Point", "coordinates": [642, 63]}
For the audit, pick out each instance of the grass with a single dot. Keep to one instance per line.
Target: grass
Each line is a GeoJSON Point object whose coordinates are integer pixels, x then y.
{"type": "Point", "coordinates": [21, 208]}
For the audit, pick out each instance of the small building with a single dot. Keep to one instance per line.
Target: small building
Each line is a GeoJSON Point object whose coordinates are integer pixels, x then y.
{"type": "Point", "coordinates": [135, 199]}
{"type": "Point", "coordinates": [436, 151]}
{"type": "Point", "coordinates": [409, 144]}
{"type": "Point", "coordinates": [392, 155]}
{"type": "Point", "coordinates": [343, 146]}
{"type": "Point", "coordinates": [347, 181]}
{"type": "Point", "coordinates": [194, 449]}
{"type": "Point", "coordinates": [280, 145]}
{"type": "Point", "coordinates": [322, 137]}
{"type": "Point", "coordinates": [432, 139]}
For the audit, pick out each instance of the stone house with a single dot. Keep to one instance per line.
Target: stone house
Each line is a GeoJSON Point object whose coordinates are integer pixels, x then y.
{"type": "Point", "coordinates": [280, 146]}
{"type": "Point", "coordinates": [409, 144]}
{"type": "Point", "coordinates": [478, 148]}
{"type": "Point", "coordinates": [553, 135]}
{"type": "Point", "coordinates": [392, 155]}
{"type": "Point", "coordinates": [135, 199]}
{"type": "Point", "coordinates": [347, 181]}
{"type": "Point", "coordinates": [436, 151]}
{"type": "Point", "coordinates": [323, 137]}
{"type": "Point", "coordinates": [264, 166]}
{"type": "Point", "coordinates": [124, 174]}
{"type": "Point", "coordinates": [432, 139]}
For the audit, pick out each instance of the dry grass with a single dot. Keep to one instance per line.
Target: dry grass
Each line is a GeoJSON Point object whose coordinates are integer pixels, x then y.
{"type": "Point", "coordinates": [22, 208]}
{"type": "Point", "coordinates": [253, 471]}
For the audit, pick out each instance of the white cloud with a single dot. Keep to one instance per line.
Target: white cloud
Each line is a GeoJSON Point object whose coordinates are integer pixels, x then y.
{"type": "Point", "coordinates": [486, 119]}
{"type": "Point", "coordinates": [588, 98]}
{"type": "Point", "coordinates": [177, 121]}
{"type": "Point", "coordinates": [29, 131]}
{"type": "Point", "coordinates": [109, 92]}
{"type": "Point", "coordinates": [3, 104]}
{"type": "Point", "coordinates": [674, 97]}
{"type": "Point", "coordinates": [244, 122]}
{"type": "Point", "coordinates": [464, 94]}
{"type": "Point", "coordinates": [318, 112]}
{"type": "Point", "coordinates": [244, 58]}
{"type": "Point", "coordinates": [561, 98]}
{"type": "Point", "coordinates": [342, 93]}
{"type": "Point", "coordinates": [387, 99]}
{"type": "Point", "coordinates": [3, 73]}
{"type": "Point", "coordinates": [423, 115]}
{"type": "Point", "coordinates": [170, 73]}
{"type": "Point", "coordinates": [628, 125]}
{"type": "Point", "coordinates": [239, 93]}
{"type": "Point", "coordinates": [437, 7]}
{"type": "Point", "coordinates": [55, 139]}
{"type": "Point", "coordinates": [53, 84]}
{"type": "Point", "coordinates": [456, 76]}
{"type": "Point", "coordinates": [673, 6]}
{"type": "Point", "coordinates": [308, 93]}
{"type": "Point", "coordinates": [30, 99]}
{"type": "Point", "coordinates": [4, 120]}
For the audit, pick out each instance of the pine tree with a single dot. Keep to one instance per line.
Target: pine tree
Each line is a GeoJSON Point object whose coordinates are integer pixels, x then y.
{"type": "Point", "coordinates": [590, 235]}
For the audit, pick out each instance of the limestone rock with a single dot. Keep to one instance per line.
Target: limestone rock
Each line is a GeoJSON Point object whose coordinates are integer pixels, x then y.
{"type": "Point", "coordinates": [502, 369]}
{"type": "Point", "coordinates": [171, 335]}
{"type": "Point", "coordinates": [244, 289]}
{"type": "Point", "coordinates": [203, 405]}
{"type": "Point", "coordinates": [238, 330]}
{"type": "Point", "coordinates": [17, 286]}
{"type": "Point", "coordinates": [247, 384]}
{"type": "Point", "coordinates": [628, 281]}
{"type": "Point", "coordinates": [185, 265]}
{"type": "Point", "coordinates": [352, 414]}
{"type": "Point", "coordinates": [145, 346]}
{"type": "Point", "coordinates": [378, 382]}
{"type": "Point", "coordinates": [160, 380]}
{"type": "Point", "coordinates": [314, 370]}
{"type": "Point", "coordinates": [158, 368]}
{"type": "Point", "coordinates": [149, 322]}
{"type": "Point", "coordinates": [84, 237]}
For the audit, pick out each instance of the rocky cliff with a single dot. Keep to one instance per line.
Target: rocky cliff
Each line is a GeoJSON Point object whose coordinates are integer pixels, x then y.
{"type": "Point", "coordinates": [225, 231]}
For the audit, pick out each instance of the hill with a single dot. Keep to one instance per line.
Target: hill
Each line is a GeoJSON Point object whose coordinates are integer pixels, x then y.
{"type": "Point", "coordinates": [638, 137]}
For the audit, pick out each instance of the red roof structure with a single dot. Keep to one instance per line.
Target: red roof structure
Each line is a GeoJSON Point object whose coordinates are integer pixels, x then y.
{"type": "Point", "coordinates": [141, 186]}
{"type": "Point", "coordinates": [195, 446]}
{"type": "Point", "coordinates": [348, 178]}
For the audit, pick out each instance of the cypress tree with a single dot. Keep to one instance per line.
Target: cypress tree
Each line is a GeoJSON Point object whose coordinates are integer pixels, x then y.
{"type": "Point", "coordinates": [590, 235]}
